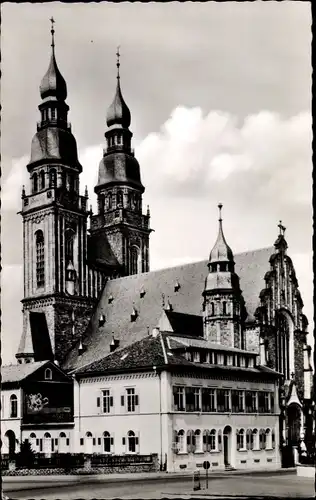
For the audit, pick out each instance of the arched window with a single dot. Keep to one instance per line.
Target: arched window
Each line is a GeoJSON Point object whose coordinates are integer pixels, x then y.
{"type": "Point", "coordinates": [224, 308]}
{"type": "Point", "coordinates": [48, 375]}
{"type": "Point", "coordinates": [35, 184]}
{"type": "Point", "coordinates": [212, 309]}
{"type": "Point", "coordinates": [262, 439]}
{"type": "Point", "coordinates": [241, 439]}
{"type": "Point", "coordinates": [134, 260]}
{"type": "Point", "coordinates": [190, 441]}
{"type": "Point", "coordinates": [132, 441]}
{"type": "Point", "coordinates": [181, 441]}
{"type": "Point", "coordinates": [107, 442]}
{"type": "Point", "coordinates": [273, 438]}
{"type": "Point", "coordinates": [109, 201]}
{"type": "Point", "coordinates": [212, 440]}
{"type": "Point", "coordinates": [198, 441]}
{"type": "Point", "coordinates": [69, 245]}
{"type": "Point", "coordinates": [42, 179]}
{"type": "Point", "coordinates": [219, 440]}
{"type": "Point", "coordinates": [205, 440]}
{"type": "Point", "coordinates": [40, 259]}
{"type": "Point", "coordinates": [119, 199]}
{"type": "Point", "coordinates": [248, 439]}
{"type": "Point", "coordinates": [13, 406]}
{"type": "Point", "coordinates": [268, 439]}
{"type": "Point", "coordinates": [52, 177]}
{"type": "Point", "coordinates": [254, 440]}
{"type": "Point", "coordinates": [62, 435]}
{"type": "Point", "coordinates": [32, 435]}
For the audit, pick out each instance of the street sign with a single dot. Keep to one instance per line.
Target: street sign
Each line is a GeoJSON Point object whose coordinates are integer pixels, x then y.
{"type": "Point", "coordinates": [206, 466]}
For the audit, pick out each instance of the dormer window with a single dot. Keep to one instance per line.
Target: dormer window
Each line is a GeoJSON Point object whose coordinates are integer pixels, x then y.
{"type": "Point", "coordinates": [134, 314]}
{"type": "Point", "coordinates": [110, 299]}
{"type": "Point", "coordinates": [212, 309]}
{"type": "Point", "coordinates": [48, 374]}
{"type": "Point", "coordinates": [177, 286]}
{"type": "Point", "coordinates": [102, 319]}
{"type": "Point", "coordinates": [142, 293]}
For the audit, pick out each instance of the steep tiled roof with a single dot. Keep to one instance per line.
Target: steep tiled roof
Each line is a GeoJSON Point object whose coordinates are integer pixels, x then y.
{"type": "Point", "coordinates": [100, 252]}
{"type": "Point", "coordinates": [16, 373]}
{"type": "Point", "coordinates": [124, 294]}
{"type": "Point", "coordinates": [205, 344]}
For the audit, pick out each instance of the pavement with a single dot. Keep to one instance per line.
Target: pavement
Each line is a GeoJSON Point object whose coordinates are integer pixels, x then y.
{"type": "Point", "coordinates": [20, 483]}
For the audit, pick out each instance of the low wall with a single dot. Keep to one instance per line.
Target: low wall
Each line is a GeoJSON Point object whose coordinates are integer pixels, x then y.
{"type": "Point", "coordinates": [86, 469]}
{"type": "Point", "coordinates": [306, 471]}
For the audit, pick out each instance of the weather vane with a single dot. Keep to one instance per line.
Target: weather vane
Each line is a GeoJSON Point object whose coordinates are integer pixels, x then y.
{"type": "Point", "coordinates": [52, 20]}
{"type": "Point", "coordinates": [118, 55]}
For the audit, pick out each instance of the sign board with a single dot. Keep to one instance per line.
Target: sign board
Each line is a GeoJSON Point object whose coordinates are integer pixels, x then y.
{"type": "Point", "coordinates": [206, 465]}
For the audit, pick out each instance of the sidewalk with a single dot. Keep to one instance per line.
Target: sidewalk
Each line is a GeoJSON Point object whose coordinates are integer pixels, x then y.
{"type": "Point", "coordinates": [19, 483]}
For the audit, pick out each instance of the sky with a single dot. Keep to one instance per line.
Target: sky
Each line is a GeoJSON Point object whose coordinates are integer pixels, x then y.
{"type": "Point", "coordinates": [220, 97]}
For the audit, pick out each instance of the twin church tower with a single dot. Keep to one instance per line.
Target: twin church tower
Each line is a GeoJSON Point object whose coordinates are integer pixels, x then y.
{"type": "Point", "coordinates": [66, 264]}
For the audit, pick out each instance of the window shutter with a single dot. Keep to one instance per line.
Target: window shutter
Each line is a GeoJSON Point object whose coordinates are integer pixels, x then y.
{"type": "Point", "coordinates": [219, 440]}
{"type": "Point", "coordinates": [122, 400]}
{"type": "Point", "coordinates": [123, 441]}
{"type": "Point", "coordinates": [94, 441]}
{"type": "Point", "coordinates": [67, 441]}
{"type": "Point", "coordinates": [111, 401]}
{"type": "Point", "coordinates": [136, 440]}
{"type": "Point", "coordinates": [136, 400]}
{"type": "Point", "coordinates": [81, 441]}
{"type": "Point", "coordinates": [56, 441]}
{"type": "Point", "coordinates": [37, 442]}
{"type": "Point", "coordinates": [99, 441]}
{"type": "Point", "coordinates": [176, 437]}
{"type": "Point", "coordinates": [98, 403]}
{"type": "Point", "coordinates": [112, 441]}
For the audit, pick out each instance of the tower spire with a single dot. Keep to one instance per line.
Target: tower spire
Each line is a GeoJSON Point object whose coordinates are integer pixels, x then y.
{"type": "Point", "coordinates": [221, 251]}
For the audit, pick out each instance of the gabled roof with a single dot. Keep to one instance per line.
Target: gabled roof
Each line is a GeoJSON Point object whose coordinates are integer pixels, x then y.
{"type": "Point", "coordinates": [151, 352]}
{"type": "Point", "coordinates": [17, 373]}
{"type": "Point", "coordinates": [125, 294]}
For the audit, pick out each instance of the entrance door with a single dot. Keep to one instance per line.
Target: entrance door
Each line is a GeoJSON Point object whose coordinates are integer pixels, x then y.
{"type": "Point", "coordinates": [10, 443]}
{"type": "Point", "coordinates": [293, 422]}
{"type": "Point", "coordinates": [227, 445]}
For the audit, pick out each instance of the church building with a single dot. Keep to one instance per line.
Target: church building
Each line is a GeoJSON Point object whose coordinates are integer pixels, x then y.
{"type": "Point", "coordinates": [207, 360]}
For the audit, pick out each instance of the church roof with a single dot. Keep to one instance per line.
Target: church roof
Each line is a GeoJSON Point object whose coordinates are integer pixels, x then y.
{"type": "Point", "coordinates": [55, 143]}
{"type": "Point", "coordinates": [18, 372]}
{"type": "Point", "coordinates": [119, 167]}
{"type": "Point", "coordinates": [120, 296]}
{"type": "Point", "coordinates": [185, 324]}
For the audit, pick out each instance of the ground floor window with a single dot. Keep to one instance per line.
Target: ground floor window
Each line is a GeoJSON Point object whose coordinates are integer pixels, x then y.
{"type": "Point", "coordinates": [132, 442]}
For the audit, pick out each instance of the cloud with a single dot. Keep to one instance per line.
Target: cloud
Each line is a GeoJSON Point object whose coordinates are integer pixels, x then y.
{"type": "Point", "coordinates": [194, 155]}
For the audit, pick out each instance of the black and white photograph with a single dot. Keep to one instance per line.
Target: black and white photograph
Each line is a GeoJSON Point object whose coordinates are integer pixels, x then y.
{"type": "Point", "coordinates": [156, 250]}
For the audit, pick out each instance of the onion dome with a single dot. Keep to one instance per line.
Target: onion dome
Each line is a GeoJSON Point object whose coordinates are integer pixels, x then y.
{"type": "Point", "coordinates": [221, 252]}
{"type": "Point", "coordinates": [118, 113]}
{"type": "Point", "coordinates": [53, 83]}
{"type": "Point", "coordinates": [119, 167]}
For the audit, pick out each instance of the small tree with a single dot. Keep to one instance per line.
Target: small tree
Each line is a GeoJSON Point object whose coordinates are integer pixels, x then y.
{"type": "Point", "coordinates": [27, 454]}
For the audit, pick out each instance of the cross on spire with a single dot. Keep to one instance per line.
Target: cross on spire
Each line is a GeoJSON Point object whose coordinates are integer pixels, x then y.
{"type": "Point", "coordinates": [282, 228]}
{"type": "Point", "coordinates": [52, 20]}
{"type": "Point", "coordinates": [118, 55]}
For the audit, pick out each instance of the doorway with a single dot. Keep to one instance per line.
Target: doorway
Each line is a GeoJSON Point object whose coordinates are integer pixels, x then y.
{"type": "Point", "coordinates": [11, 442]}
{"type": "Point", "coordinates": [227, 445]}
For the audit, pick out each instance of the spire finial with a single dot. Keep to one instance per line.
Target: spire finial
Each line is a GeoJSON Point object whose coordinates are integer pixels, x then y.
{"type": "Point", "coordinates": [282, 228]}
{"type": "Point", "coordinates": [118, 55]}
{"type": "Point", "coordinates": [220, 206]}
{"type": "Point", "coordinates": [52, 20]}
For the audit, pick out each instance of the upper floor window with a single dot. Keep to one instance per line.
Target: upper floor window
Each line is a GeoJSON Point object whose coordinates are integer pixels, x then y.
{"type": "Point", "coordinates": [119, 199]}
{"type": "Point", "coordinates": [13, 406]}
{"type": "Point", "coordinates": [208, 400]}
{"type": "Point", "coordinates": [42, 179]}
{"type": "Point", "coordinates": [52, 177]}
{"type": "Point", "coordinates": [35, 183]}
{"type": "Point", "coordinates": [131, 401]}
{"type": "Point", "coordinates": [237, 401]}
{"type": "Point", "coordinates": [223, 400]}
{"type": "Point", "coordinates": [69, 245]}
{"type": "Point", "coordinates": [109, 201]}
{"type": "Point", "coordinates": [107, 401]}
{"type": "Point", "coordinates": [134, 260]}
{"type": "Point", "coordinates": [212, 309]}
{"type": "Point", "coordinates": [224, 308]}
{"type": "Point", "coordinates": [40, 262]}
{"type": "Point", "coordinates": [48, 375]}
{"type": "Point", "coordinates": [178, 398]}
{"type": "Point", "coordinates": [263, 402]}
{"type": "Point", "coordinates": [251, 401]}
